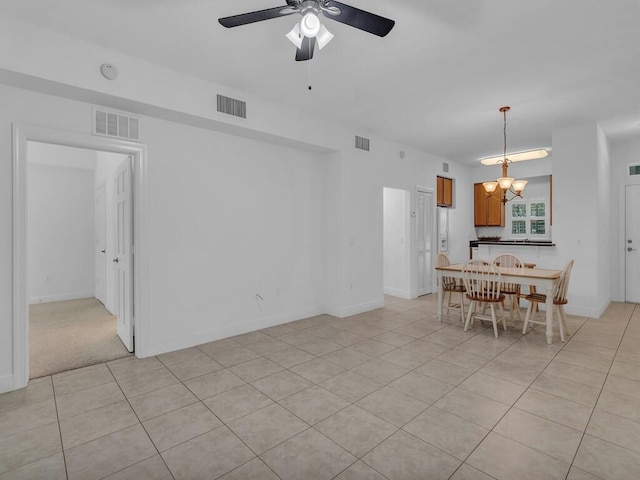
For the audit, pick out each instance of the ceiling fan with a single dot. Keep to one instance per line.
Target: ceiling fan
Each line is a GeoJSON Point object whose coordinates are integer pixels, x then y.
{"type": "Point", "coordinates": [309, 30]}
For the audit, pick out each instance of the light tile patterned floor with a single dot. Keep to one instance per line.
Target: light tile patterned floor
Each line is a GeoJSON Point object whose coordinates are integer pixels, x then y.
{"type": "Point", "coordinates": [389, 394]}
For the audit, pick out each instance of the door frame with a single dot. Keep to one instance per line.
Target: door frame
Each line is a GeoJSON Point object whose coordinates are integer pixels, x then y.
{"type": "Point", "coordinates": [21, 134]}
{"type": "Point", "coordinates": [96, 255]}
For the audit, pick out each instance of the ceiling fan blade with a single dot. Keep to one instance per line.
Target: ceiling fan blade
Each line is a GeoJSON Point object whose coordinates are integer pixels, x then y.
{"type": "Point", "coordinates": [306, 51]}
{"type": "Point", "coordinates": [257, 16]}
{"type": "Point", "coordinates": [369, 22]}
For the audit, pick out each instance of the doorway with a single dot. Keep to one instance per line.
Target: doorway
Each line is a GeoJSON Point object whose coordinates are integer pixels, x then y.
{"type": "Point", "coordinates": [396, 242]}
{"type": "Point", "coordinates": [632, 243]}
{"type": "Point", "coordinates": [75, 311]}
{"type": "Point", "coordinates": [424, 240]}
{"type": "Point", "coordinates": [22, 135]}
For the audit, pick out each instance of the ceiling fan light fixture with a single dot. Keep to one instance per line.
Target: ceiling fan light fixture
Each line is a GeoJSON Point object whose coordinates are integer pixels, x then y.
{"type": "Point", "coordinates": [324, 36]}
{"type": "Point", "coordinates": [310, 25]}
{"type": "Point", "coordinates": [295, 36]}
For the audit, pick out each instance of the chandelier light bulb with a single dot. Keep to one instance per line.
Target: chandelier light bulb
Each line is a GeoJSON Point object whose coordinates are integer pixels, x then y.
{"type": "Point", "coordinates": [310, 25]}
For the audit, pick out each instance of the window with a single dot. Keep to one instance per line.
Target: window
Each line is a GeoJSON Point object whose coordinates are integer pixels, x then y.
{"type": "Point", "coordinates": [529, 218]}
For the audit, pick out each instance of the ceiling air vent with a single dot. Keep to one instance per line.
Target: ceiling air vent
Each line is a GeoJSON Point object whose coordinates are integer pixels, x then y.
{"type": "Point", "coordinates": [115, 124]}
{"type": "Point", "coordinates": [362, 143]}
{"type": "Point", "coordinates": [231, 106]}
{"type": "Point", "coordinates": [634, 169]}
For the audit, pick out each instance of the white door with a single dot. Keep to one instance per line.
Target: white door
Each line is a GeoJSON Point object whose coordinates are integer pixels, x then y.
{"type": "Point", "coordinates": [101, 243]}
{"type": "Point", "coordinates": [424, 225]}
{"type": "Point", "coordinates": [632, 243]}
{"type": "Point", "coordinates": [123, 255]}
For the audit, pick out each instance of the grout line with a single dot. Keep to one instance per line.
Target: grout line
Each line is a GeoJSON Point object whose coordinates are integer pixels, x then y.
{"type": "Point", "coordinates": [601, 390]}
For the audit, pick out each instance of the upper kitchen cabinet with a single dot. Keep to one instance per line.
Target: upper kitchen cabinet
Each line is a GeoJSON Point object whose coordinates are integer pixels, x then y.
{"type": "Point", "coordinates": [444, 191]}
{"type": "Point", "coordinates": [488, 211]}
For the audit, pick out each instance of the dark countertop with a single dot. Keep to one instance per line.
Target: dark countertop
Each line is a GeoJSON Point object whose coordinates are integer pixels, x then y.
{"type": "Point", "coordinates": [518, 243]}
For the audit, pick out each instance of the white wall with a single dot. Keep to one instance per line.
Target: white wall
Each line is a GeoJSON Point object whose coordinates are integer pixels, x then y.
{"type": "Point", "coordinates": [578, 217]}
{"type": "Point", "coordinates": [604, 223]}
{"type": "Point", "coordinates": [60, 223]}
{"type": "Point", "coordinates": [396, 242]}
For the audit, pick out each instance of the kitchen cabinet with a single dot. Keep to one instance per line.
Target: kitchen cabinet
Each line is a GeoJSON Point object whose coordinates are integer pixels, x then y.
{"type": "Point", "coordinates": [444, 191]}
{"type": "Point", "coordinates": [487, 211]}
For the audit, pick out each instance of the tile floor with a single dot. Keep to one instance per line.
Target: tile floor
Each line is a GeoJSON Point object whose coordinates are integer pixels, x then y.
{"type": "Point", "coordinates": [388, 394]}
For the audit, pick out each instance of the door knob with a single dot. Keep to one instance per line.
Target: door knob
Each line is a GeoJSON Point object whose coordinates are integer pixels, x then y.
{"type": "Point", "coordinates": [631, 249]}
{"type": "Point", "coordinates": [116, 260]}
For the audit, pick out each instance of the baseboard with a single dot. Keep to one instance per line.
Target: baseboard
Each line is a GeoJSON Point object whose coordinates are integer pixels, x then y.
{"type": "Point", "coordinates": [581, 308]}
{"type": "Point", "coordinates": [356, 309]}
{"type": "Point", "coordinates": [397, 292]}
{"type": "Point", "coordinates": [7, 384]}
{"type": "Point", "coordinates": [60, 297]}
{"type": "Point", "coordinates": [225, 332]}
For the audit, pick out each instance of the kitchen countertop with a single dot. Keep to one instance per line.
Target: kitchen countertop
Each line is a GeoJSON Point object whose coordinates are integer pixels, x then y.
{"type": "Point", "coordinates": [523, 243]}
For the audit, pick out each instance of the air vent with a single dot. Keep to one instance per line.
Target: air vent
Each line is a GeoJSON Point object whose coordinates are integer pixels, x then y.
{"type": "Point", "coordinates": [362, 143]}
{"type": "Point", "coordinates": [115, 124]}
{"type": "Point", "coordinates": [634, 169]}
{"type": "Point", "coordinates": [231, 106]}
{"type": "Point", "coordinates": [445, 167]}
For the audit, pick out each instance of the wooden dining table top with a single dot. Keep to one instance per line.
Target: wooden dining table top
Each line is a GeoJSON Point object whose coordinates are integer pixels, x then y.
{"type": "Point", "coordinates": [524, 272]}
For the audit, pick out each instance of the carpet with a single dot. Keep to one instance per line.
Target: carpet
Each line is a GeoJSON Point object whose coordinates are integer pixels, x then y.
{"type": "Point", "coordinates": [71, 334]}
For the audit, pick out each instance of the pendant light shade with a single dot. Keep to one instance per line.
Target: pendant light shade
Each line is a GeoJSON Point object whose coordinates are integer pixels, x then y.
{"type": "Point", "coordinates": [295, 36]}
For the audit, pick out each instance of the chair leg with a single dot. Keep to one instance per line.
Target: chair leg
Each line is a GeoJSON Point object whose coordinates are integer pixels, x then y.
{"type": "Point", "coordinates": [526, 317]}
{"type": "Point", "coordinates": [564, 320]}
{"type": "Point", "coordinates": [516, 306]}
{"type": "Point", "coordinates": [469, 314]}
{"type": "Point", "coordinates": [493, 319]}
{"type": "Point", "coordinates": [504, 319]}
{"type": "Point", "coordinates": [462, 306]}
{"type": "Point", "coordinates": [559, 320]}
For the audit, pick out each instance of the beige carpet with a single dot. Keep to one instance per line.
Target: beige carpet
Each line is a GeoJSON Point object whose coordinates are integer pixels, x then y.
{"type": "Point", "coordinates": [71, 334]}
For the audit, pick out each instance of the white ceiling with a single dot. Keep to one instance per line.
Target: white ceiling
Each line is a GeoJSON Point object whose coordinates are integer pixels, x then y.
{"type": "Point", "coordinates": [435, 82]}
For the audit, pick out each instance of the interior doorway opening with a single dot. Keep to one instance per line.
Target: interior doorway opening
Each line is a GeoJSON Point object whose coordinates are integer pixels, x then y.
{"type": "Point", "coordinates": [408, 240]}
{"type": "Point", "coordinates": [396, 242]}
{"type": "Point", "coordinates": [73, 293]}
{"type": "Point", "coordinates": [22, 135]}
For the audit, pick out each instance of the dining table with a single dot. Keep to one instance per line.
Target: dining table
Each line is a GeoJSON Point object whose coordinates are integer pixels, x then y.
{"type": "Point", "coordinates": [544, 280]}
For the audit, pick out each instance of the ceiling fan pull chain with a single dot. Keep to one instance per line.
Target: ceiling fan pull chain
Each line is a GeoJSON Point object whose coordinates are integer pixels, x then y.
{"type": "Point", "coordinates": [310, 82]}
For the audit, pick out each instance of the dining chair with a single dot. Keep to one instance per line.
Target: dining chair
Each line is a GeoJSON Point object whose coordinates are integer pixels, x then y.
{"type": "Point", "coordinates": [559, 301]}
{"type": "Point", "coordinates": [450, 286]}
{"type": "Point", "coordinates": [511, 291]}
{"type": "Point", "coordinates": [483, 282]}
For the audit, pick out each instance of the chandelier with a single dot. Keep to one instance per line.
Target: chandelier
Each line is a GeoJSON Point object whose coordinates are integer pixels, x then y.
{"type": "Point", "coordinates": [506, 183]}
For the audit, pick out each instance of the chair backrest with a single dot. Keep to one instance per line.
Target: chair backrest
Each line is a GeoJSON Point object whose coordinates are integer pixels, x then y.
{"type": "Point", "coordinates": [443, 260]}
{"type": "Point", "coordinates": [482, 280]}
{"type": "Point", "coordinates": [448, 283]}
{"type": "Point", "coordinates": [561, 291]}
{"type": "Point", "coordinates": [508, 260]}
{"type": "Point", "coordinates": [512, 261]}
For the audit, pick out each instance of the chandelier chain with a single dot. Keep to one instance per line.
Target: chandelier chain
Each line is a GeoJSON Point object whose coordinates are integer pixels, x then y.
{"type": "Point", "coordinates": [504, 152]}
